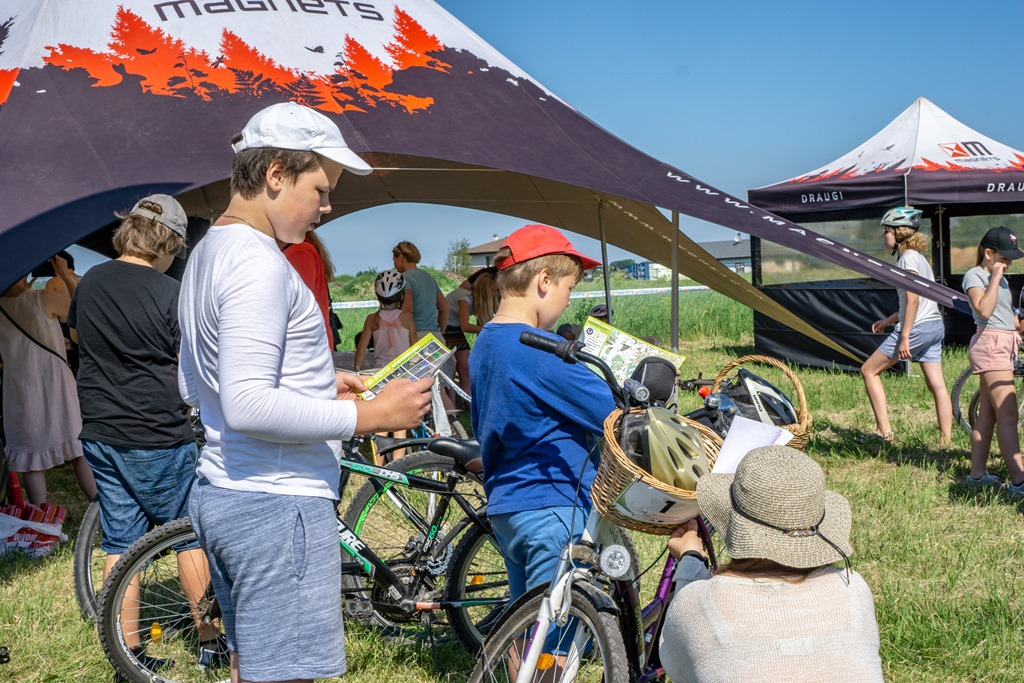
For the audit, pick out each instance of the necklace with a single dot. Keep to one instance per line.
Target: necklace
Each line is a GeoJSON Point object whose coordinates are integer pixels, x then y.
{"type": "Point", "coordinates": [239, 218]}
{"type": "Point", "coordinates": [506, 315]}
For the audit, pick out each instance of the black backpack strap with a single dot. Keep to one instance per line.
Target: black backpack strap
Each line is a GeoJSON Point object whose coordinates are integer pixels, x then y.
{"type": "Point", "coordinates": [33, 339]}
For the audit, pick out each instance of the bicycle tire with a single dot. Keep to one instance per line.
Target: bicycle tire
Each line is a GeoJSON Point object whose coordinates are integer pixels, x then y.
{"type": "Point", "coordinates": [88, 562]}
{"type": "Point", "coordinates": [607, 661]}
{"type": "Point", "coordinates": [380, 523]}
{"type": "Point", "coordinates": [975, 405]}
{"type": "Point", "coordinates": [153, 561]}
{"type": "Point", "coordinates": [965, 386]}
{"type": "Point", "coordinates": [477, 571]}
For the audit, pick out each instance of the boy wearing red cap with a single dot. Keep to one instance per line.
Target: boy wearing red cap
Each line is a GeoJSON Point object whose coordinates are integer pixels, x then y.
{"type": "Point", "coordinates": [537, 418]}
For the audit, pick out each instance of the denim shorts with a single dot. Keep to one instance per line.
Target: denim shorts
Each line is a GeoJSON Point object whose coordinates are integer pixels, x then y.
{"type": "Point", "coordinates": [925, 342]}
{"type": "Point", "coordinates": [139, 488]}
{"type": "Point", "coordinates": [275, 563]}
{"type": "Point", "coordinates": [531, 542]}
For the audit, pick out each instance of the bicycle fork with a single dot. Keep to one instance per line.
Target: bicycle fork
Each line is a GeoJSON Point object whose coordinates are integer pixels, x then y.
{"type": "Point", "coordinates": [554, 609]}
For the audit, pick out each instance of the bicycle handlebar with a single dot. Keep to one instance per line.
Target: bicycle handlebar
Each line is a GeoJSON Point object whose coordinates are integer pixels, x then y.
{"type": "Point", "coordinates": [631, 392]}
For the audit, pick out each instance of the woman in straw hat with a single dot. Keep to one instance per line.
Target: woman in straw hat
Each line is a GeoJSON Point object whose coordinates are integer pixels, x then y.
{"type": "Point", "coordinates": [780, 610]}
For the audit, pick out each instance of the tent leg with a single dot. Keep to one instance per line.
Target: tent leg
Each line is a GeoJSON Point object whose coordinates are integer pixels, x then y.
{"type": "Point", "coordinates": [604, 263]}
{"type": "Point", "coordinates": [675, 281]}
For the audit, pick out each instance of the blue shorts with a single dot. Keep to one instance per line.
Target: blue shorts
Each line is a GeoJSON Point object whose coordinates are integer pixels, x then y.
{"type": "Point", "coordinates": [925, 342]}
{"type": "Point", "coordinates": [275, 563]}
{"type": "Point", "coordinates": [139, 488]}
{"type": "Point", "coordinates": [531, 541]}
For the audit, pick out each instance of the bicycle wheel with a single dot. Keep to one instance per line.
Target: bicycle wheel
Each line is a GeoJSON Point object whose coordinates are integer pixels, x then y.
{"type": "Point", "coordinates": [975, 404]}
{"type": "Point", "coordinates": [965, 387]}
{"type": "Point", "coordinates": [393, 521]}
{"type": "Point", "coordinates": [165, 628]}
{"type": "Point", "coordinates": [88, 562]}
{"type": "Point", "coordinates": [477, 573]}
{"type": "Point", "coordinates": [591, 638]}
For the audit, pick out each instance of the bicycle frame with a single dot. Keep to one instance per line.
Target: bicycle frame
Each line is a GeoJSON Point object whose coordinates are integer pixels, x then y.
{"type": "Point", "coordinates": [640, 625]}
{"type": "Point", "coordinates": [368, 562]}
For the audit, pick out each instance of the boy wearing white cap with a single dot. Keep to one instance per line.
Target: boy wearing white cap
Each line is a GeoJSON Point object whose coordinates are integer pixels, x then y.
{"type": "Point", "coordinates": [263, 505]}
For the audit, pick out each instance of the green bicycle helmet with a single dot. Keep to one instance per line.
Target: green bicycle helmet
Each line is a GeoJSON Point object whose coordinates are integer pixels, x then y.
{"type": "Point", "coordinates": [660, 442]}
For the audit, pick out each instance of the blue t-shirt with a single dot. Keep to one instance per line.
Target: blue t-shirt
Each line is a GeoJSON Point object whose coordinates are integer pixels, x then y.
{"type": "Point", "coordinates": [537, 419]}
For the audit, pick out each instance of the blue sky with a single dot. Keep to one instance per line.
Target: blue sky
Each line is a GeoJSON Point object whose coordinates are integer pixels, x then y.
{"type": "Point", "coordinates": [737, 93]}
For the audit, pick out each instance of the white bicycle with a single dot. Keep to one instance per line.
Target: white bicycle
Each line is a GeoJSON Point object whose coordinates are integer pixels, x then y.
{"type": "Point", "coordinates": [588, 624]}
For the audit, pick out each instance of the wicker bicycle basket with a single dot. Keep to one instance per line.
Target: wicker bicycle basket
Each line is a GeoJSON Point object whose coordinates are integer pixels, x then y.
{"type": "Point", "coordinates": [616, 473]}
{"type": "Point", "coordinates": [801, 429]}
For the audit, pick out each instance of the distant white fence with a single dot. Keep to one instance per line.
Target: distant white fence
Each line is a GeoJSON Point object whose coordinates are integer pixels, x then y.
{"type": "Point", "coordinates": [596, 294]}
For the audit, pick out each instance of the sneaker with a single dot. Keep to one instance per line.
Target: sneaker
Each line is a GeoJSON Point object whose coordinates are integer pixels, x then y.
{"type": "Point", "coordinates": [988, 480]}
{"type": "Point", "coordinates": [213, 654]}
{"type": "Point", "coordinates": [1015, 492]}
{"type": "Point", "coordinates": [150, 664]}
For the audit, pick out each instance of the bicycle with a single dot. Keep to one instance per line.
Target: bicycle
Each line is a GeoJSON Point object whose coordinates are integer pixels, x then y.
{"type": "Point", "coordinates": [592, 605]}
{"type": "Point", "coordinates": [966, 394]}
{"type": "Point", "coordinates": [88, 559]}
{"type": "Point", "coordinates": [401, 589]}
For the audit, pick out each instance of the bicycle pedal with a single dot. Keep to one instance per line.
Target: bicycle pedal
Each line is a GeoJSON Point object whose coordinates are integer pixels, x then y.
{"type": "Point", "coordinates": [5, 655]}
{"type": "Point", "coordinates": [360, 610]}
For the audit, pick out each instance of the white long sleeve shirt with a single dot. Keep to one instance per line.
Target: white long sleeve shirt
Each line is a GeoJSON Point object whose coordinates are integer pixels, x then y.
{"type": "Point", "coordinates": [255, 358]}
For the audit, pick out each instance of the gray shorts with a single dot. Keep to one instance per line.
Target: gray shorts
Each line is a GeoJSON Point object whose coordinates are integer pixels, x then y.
{"type": "Point", "coordinates": [275, 563]}
{"type": "Point", "coordinates": [925, 342]}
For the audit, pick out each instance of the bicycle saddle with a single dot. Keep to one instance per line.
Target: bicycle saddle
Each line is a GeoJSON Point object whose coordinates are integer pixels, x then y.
{"type": "Point", "coordinates": [465, 453]}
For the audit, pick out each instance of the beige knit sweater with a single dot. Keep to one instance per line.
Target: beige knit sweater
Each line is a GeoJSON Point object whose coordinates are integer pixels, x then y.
{"type": "Point", "coordinates": [736, 630]}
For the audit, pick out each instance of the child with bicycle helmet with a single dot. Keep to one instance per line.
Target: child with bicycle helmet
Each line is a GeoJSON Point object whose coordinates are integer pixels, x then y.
{"type": "Point", "coordinates": [537, 418]}
{"type": "Point", "coordinates": [780, 610]}
{"type": "Point", "coordinates": [391, 328]}
{"type": "Point", "coordinates": [918, 334]}
{"type": "Point", "coordinates": [992, 351]}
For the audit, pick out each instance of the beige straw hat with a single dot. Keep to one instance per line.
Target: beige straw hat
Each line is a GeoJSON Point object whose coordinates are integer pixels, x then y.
{"type": "Point", "coordinates": [776, 508]}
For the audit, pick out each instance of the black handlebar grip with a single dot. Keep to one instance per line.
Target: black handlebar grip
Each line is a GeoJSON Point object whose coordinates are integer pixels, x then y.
{"type": "Point", "coordinates": [534, 340]}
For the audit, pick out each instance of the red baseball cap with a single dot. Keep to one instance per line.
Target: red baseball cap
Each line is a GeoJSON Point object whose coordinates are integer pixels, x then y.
{"type": "Point", "coordinates": [531, 241]}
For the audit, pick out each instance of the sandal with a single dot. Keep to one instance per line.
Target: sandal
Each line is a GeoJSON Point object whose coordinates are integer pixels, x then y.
{"type": "Point", "coordinates": [871, 437]}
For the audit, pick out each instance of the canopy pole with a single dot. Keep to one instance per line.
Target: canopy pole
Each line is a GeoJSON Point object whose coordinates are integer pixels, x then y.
{"type": "Point", "coordinates": [675, 281]}
{"type": "Point", "coordinates": [604, 262]}
{"type": "Point", "coordinates": [940, 244]}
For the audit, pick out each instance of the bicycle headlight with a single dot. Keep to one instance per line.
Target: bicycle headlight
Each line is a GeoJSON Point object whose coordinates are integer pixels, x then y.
{"type": "Point", "coordinates": [615, 561]}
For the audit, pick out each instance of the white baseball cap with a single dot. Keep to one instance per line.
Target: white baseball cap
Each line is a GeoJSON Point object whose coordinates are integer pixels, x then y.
{"type": "Point", "coordinates": [292, 126]}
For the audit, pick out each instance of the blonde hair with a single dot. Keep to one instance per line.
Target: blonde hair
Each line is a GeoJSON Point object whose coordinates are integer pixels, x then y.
{"type": "Point", "coordinates": [910, 238]}
{"type": "Point", "coordinates": [325, 257]}
{"type": "Point", "coordinates": [485, 298]}
{"type": "Point", "coordinates": [146, 238]}
{"type": "Point", "coordinates": [514, 280]}
{"type": "Point", "coordinates": [408, 250]}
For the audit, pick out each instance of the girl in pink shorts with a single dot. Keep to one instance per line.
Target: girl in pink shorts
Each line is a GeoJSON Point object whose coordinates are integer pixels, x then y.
{"type": "Point", "coordinates": [992, 353]}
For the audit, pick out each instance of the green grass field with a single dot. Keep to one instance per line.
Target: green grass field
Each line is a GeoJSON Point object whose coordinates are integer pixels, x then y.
{"type": "Point", "coordinates": [946, 565]}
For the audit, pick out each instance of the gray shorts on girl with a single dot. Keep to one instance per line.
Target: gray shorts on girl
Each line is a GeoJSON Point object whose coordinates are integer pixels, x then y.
{"type": "Point", "coordinates": [925, 342]}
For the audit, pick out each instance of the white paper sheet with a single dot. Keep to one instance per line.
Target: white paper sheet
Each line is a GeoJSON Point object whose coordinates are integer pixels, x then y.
{"type": "Point", "coordinates": [745, 435]}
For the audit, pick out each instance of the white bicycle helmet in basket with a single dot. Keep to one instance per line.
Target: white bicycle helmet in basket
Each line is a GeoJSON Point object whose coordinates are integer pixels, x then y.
{"type": "Point", "coordinates": [389, 284]}
{"type": "Point", "coordinates": [660, 442]}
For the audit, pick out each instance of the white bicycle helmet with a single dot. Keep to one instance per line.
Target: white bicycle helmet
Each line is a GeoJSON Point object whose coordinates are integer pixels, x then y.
{"type": "Point", "coordinates": [902, 217]}
{"type": "Point", "coordinates": [389, 284]}
{"type": "Point", "coordinates": [660, 442]}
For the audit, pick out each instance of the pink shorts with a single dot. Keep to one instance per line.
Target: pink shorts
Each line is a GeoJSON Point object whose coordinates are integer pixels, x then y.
{"type": "Point", "coordinates": [992, 350]}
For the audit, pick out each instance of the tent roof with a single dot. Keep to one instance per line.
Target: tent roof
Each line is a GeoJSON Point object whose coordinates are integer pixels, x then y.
{"type": "Point", "coordinates": [924, 157]}
{"type": "Point", "coordinates": [101, 103]}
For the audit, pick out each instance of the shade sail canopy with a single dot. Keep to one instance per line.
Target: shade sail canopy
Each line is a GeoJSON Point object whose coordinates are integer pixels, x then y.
{"type": "Point", "coordinates": [102, 103]}
{"type": "Point", "coordinates": [924, 157]}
